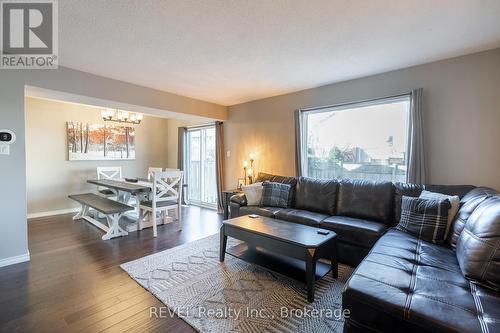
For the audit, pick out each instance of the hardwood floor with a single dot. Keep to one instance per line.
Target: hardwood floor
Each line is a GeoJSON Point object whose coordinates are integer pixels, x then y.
{"type": "Point", "coordinates": [74, 283]}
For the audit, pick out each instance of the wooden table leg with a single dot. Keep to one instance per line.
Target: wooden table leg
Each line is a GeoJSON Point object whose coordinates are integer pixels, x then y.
{"type": "Point", "coordinates": [310, 275]}
{"type": "Point", "coordinates": [138, 209]}
{"type": "Point", "coordinates": [223, 243]}
{"type": "Point", "coordinates": [83, 212]}
{"type": "Point", "coordinates": [114, 227]}
{"type": "Point", "coordinates": [334, 260]}
{"type": "Point", "coordinates": [225, 204]}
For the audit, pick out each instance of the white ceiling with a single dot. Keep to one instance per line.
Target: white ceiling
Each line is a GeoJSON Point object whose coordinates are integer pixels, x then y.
{"type": "Point", "coordinates": [232, 51]}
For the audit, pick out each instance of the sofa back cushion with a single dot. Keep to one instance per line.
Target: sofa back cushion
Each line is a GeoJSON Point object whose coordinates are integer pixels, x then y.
{"type": "Point", "coordinates": [478, 247]}
{"type": "Point", "coordinates": [467, 205]}
{"type": "Point", "coordinates": [366, 200]}
{"type": "Point", "coordinates": [262, 177]}
{"type": "Point", "coordinates": [460, 190]}
{"type": "Point", "coordinates": [316, 195]}
{"type": "Point", "coordinates": [292, 181]}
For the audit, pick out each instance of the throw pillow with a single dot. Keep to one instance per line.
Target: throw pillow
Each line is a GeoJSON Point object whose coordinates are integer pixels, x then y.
{"type": "Point", "coordinates": [253, 193]}
{"type": "Point", "coordinates": [425, 219]}
{"type": "Point", "coordinates": [452, 212]}
{"type": "Point", "coordinates": [275, 194]}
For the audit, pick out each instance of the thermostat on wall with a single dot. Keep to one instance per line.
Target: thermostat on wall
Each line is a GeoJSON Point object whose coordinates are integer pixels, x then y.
{"type": "Point", "coordinates": [7, 138]}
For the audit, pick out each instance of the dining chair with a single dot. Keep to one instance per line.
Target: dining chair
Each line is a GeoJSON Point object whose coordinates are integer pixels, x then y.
{"type": "Point", "coordinates": [166, 196]}
{"type": "Point", "coordinates": [151, 171]}
{"type": "Point", "coordinates": [183, 201]}
{"type": "Point", "coordinates": [108, 173]}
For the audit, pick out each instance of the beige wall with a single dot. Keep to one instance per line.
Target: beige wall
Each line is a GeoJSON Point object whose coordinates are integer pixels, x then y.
{"type": "Point", "coordinates": [69, 85]}
{"type": "Point", "coordinates": [173, 138]}
{"type": "Point", "coordinates": [461, 111]}
{"type": "Point", "coordinates": [51, 177]}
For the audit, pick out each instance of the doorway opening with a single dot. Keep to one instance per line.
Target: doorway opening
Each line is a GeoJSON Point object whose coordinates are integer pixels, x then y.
{"type": "Point", "coordinates": [201, 167]}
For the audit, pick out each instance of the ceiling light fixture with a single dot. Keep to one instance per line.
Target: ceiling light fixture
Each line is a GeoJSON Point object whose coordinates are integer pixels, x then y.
{"type": "Point", "coordinates": [121, 116]}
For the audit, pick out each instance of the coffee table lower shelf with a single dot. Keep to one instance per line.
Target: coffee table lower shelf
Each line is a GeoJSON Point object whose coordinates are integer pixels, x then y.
{"type": "Point", "coordinates": [287, 266]}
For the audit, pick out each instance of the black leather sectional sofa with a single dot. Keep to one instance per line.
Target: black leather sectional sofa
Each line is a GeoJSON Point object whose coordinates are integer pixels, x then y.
{"type": "Point", "coordinates": [401, 283]}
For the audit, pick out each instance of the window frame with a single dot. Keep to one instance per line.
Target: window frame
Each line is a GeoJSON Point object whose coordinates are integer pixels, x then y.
{"type": "Point", "coordinates": [301, 122]}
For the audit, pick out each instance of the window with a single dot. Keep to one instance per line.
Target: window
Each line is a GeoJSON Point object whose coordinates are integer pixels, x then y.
{"type": "Point", "coordinates": [366, 140]}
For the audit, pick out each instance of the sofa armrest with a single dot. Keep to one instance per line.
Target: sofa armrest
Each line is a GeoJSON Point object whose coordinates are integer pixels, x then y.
{"type": "Point", "coordinates": [239, 199]}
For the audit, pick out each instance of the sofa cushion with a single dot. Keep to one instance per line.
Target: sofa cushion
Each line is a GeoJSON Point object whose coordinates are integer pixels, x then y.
{"type": "Point", "coordinates": [467, 205]}
{"type": "Point", "coordinates": [478, 247]}
{"type": "Point", "coordinates": [316, 195]}
{"type": "Point", "coordinates": [262, 211]}
{"type": "Point", "coordinates": [301, 216]}
{"type": "Point", "coordinates": [253, 193]}
{"type": "Point", "coordinates": [366, 200]}
{"type": "Point", "coordinates": [354, 231]}
{"type": "Point", "coordinates": [262, 177]}
{"type": "Point", "coordinates": [292, 181]}
{"type": "Point", "coordinates": [404, 189]}
{"type": "Point", "coordinates": [452, 212]}
{"type": "Point", "coordinates": [424, 218]}
{"type": "Point", "coordinates": [414, 190]}
{"type": "Point", "coordinates": [409, 285]}
{"type": "Point", "coordinates": [275, 194]}
{"type": "Point", "coordinates": [459, 190]}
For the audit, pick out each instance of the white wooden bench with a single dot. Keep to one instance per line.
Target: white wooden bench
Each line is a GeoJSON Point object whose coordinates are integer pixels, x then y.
{"type": "Point", "coordinates": [113, 210]}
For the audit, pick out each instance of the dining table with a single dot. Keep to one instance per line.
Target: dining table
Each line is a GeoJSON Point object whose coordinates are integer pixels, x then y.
{"type": "Point", "coordinates": [139, 189]}
{"type": "Point", "coordinates": [125, 190]}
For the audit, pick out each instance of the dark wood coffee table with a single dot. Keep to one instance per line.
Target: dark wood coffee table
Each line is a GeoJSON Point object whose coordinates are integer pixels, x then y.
{"type": "Point", "coordinates": [288, 239]}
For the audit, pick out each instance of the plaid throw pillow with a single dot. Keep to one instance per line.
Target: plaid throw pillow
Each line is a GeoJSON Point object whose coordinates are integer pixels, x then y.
{"type": "Point", "coordinates": [424, 218]}
{"type": "Point", "coordinates": [275, 194]}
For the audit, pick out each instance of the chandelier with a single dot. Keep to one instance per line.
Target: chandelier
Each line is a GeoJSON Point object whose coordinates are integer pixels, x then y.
{"type": "Point", "coordinates": [121, 116]}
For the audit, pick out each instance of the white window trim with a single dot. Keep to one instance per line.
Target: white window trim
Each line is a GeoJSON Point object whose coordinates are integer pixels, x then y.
{"type": "Point", "coordinates": [302, 121]}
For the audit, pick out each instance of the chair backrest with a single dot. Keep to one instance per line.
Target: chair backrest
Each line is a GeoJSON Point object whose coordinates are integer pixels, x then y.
{"type": "Point", "coordinates": [109, 172]}
{"type": "Point", "coordinates": [167, 185]}
{"type": "Point", "coordinates": [151, 171]}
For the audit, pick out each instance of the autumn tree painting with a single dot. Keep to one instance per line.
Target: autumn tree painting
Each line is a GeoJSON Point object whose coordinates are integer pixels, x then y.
{"type": "Point", "coordinates": [100, 142]}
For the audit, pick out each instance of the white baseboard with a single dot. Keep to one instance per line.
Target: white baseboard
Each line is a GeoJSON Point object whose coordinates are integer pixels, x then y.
{"type": "Point", "coordinates": [15, 260]}
{"type": "Point", "coordinates": [53, 212]}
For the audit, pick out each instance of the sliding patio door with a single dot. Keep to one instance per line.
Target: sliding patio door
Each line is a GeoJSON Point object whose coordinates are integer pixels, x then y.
{"type": "Point", "coordinates": [200, 168]}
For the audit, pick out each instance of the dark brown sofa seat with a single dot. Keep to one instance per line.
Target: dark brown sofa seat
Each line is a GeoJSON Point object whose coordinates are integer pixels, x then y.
{"type": "Point", "coordinates": [301, 216]}
{"type": "Point", "coordinates": [262, 211]}
{"type": "Point", "coordinates": [407, 285]}
{"type": "Point", "coordinates": [355, 231]}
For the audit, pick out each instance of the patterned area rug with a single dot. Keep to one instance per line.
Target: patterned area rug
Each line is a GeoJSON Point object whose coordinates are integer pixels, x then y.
{"type": "Point", "coordinates": [235, 296]}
